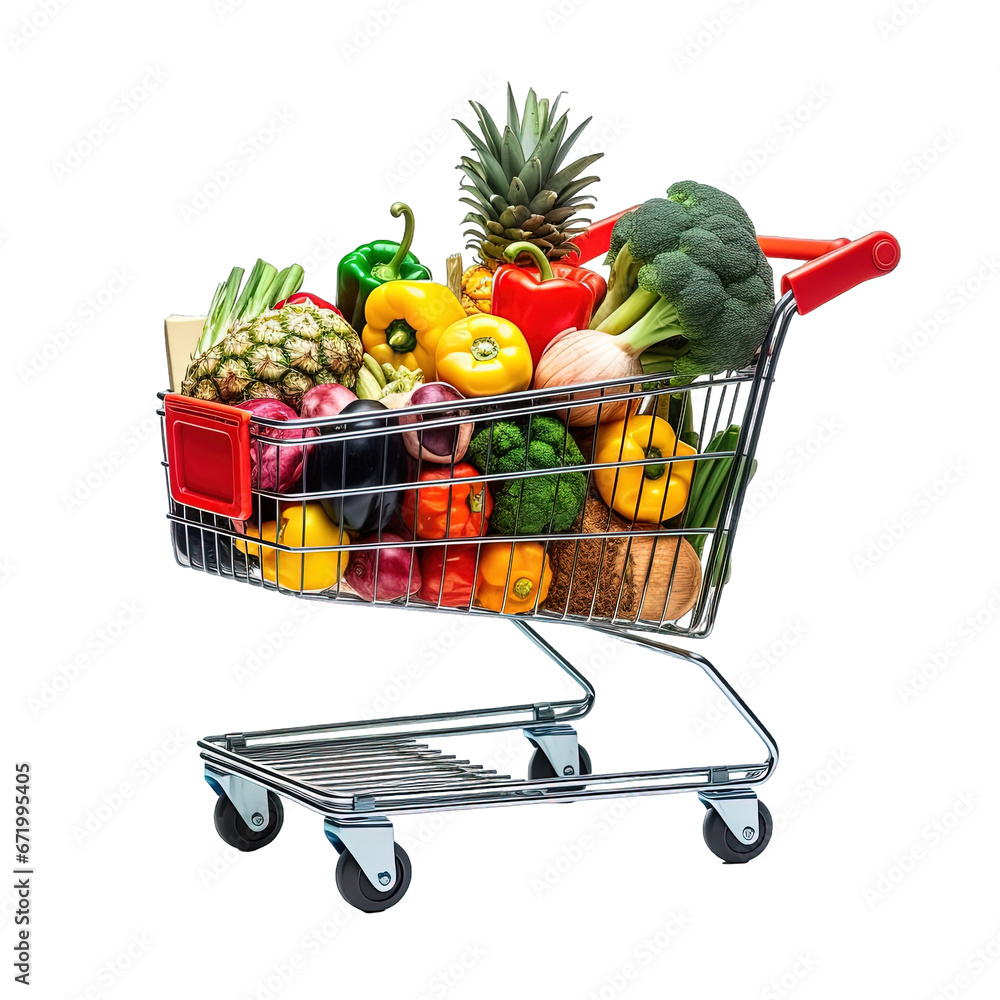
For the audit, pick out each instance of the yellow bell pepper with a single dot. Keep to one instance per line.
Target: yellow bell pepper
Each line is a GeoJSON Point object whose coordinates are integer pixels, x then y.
{"type": "Point", "coordinates": [513, 577]}
{"type": "Point", "coordinates": [404, 321]}
{"type": "Point", "coordinates": [484, 355]}
{"type": "Point", "coordinates": [268, 533]}
{"type": "Point", "coordinates": [650, 493]}
{"type": "Point", "coordinates": [295, 570]}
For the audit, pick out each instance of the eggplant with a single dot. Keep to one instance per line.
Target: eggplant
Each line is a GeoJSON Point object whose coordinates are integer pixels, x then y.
{"type": "Point", "coordinates": [369, 460]}
{"type": "Point", "coordinates": [215, 556]}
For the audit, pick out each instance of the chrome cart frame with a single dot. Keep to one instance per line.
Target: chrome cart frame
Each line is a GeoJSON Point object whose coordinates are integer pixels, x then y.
{"type": "Point", "coordinates": [359, 774]}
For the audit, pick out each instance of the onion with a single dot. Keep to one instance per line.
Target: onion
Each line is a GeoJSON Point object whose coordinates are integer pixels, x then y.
{"type": "Point", "coordinates": [673, 567]}
{"type": "Point", "coordinates": [326, 400]}
{"type": "Point", "coordinates": [273, 467]}
{"type": "Point", "coordinates": [442, 445]}
{"type": "Point", "coordinates": [576, 356]}
{"type": "Point", "coordinates": [397, 571]}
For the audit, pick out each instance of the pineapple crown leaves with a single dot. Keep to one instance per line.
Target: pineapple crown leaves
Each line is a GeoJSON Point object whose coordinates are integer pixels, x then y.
{"type": "Point", "coordinates": [518, 188]}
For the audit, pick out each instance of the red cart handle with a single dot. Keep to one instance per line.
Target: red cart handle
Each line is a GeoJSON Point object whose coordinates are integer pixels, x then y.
{"type": "Point", "coordinates": [789, 248]}
{"type": "Point", "coordinates": [840, 269]}
{"type": "Point", "coordinates": [595, 240]}
{"type": "Point", "coordinates": [833, 266]}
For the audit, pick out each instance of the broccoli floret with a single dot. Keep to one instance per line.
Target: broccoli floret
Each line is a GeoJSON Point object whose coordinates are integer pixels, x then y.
{"type": "Point", "coordinates": [530, 505]}
{"type": "Point", "coordinates": [689, 277]}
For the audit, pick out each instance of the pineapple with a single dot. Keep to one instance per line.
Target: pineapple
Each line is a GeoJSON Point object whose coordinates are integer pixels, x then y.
{"type": "Point", "coordinates": [519, 189]}
{"type": "Point", "coordinates": [281, 354]}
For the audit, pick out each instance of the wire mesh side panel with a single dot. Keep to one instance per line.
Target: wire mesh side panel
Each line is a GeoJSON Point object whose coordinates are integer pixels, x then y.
{"type": "Point", "coordinates": [611, 502]}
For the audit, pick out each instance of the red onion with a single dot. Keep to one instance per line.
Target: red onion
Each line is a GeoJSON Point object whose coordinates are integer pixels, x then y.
{"type": "Point", "coordinates": [325, 400]}
{"type": "Point", "coordinates": [274, 467]}
{"type": "Point", "coordinates": [393, 566]}
{"type": "Point", "coordinates": [442, 445]}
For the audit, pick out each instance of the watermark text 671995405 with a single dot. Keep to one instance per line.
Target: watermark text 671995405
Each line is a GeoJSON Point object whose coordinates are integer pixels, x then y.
{"type": "Point", "coordinates": [23, 873]}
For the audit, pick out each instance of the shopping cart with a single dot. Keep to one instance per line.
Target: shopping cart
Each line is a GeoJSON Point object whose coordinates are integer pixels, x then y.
{"type": "Point", "coordinates": [621, 577]}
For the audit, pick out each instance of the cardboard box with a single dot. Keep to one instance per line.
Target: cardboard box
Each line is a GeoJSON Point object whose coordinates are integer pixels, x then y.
{"type": "Point", "coordinates": [181, 333]}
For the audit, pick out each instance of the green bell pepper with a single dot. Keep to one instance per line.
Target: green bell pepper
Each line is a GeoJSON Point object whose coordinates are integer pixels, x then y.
{"type": "Point", "coordinates": [373, 264]}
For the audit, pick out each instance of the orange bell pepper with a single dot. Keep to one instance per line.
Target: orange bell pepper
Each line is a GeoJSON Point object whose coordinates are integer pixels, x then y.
{"type": "Point", "coordinates": [455, 510]}
{"type": "Point", "coordinates": [513, 577]}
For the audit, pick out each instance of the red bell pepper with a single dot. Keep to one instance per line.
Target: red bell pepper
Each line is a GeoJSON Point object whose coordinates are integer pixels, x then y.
{"type": "Point", "coordinates": [594, 281]}
{"type": "Point", "coordinates": [452, 588]}
{"type": "Point", "coordinates": [300, 297]}
{"type": "Point", "coordinates": [541, 308]}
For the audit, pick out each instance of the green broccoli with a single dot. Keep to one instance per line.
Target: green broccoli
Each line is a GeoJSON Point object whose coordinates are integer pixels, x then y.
{"type": "Point", "coordinates": [689, 286]}
{"type": "Point", "coordinates": [531, 505]}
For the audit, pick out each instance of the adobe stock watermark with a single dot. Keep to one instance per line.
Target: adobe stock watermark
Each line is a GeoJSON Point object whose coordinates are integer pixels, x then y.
{"type": "Point", "coordinates": [954, 301]}
{"type": "Point", "coordinates": [600, 136]}
{"type": "Point", "coordinates": [103, 468]}
{"type": "Point", "coordinates": [508, 749]}
{"type": "Point", "coordinates": [218, 865]}
{"type": "Point", "coordinates": [312, 944]}
{"type": "Point", "coordinates": [982, 959]}
{"type": "Point", "coordinates": [223, 8]}
{"type": "Point", "coordinates": [365, 32]}
{"type": "Point", "coordinates": [762, 491]}
{"type": "Point", "coordinates": [762, 664]}
{"type": "Point", "coordinates": [942, 658]}
{"type": "Point", "coordinates": [890, 193]}
{"type": "Point", "coordinates": [402, 681]}
{"type": "Point", "coordinates": [898, 16]}
{"type": "Point", "coordinates": [785, 128]}
{"type": "Point", "coordinates": [455, 972]}
{"type": "Point", "coordinates": [600, 825]}
{"type": "Point", "coordinates": [930, 838]}
{"type": "Point", "coordinates": [650, 948]}
{"type": "Point", "coordinates": [431, 141]}
{"type": "Point", "coordinates": [7, 569]}
{"type": "Point", "coordinates": [138, 776]}
{"type": "Point", "coordinates": [122, 107]}
{"type": "Point", "coordinates": [802, 966]}
{"type": "Point", "coordinates": [110, 973]}
{"type": "Point", "coordinates": [708, 33]}
{"type": "Point", "coordinates": [272, 641]}
{"type": "Point", "coordinates": [326, 250]}
{"type": "Point", "coordinates": [251, 146]}
{"type": "Point", "coordinates": [558, 14]}
{"type": "Point", "coordinates": [94, 645]}
{"type": "Point", "coordinates": [87, 312]}
{"type": "Point", "coordinates": [811, 787]}
{"type": "Point", "coordinates": [923, 501]}
{"type": "Point", "coordinates": [32, 25]}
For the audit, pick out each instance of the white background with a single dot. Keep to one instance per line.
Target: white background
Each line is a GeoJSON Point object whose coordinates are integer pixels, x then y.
{"type": "Point", "coordinates": [869, 547]}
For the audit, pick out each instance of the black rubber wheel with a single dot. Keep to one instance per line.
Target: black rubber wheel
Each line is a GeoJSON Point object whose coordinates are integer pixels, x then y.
{"type": "Point", "coordinates": [359, 892]}
{"type": "Point", "coordinates": [230, 826]}
{"type": "Point", "coordinates": [723, 844]}
{"type": "Point", "coordinates": [540, 767]}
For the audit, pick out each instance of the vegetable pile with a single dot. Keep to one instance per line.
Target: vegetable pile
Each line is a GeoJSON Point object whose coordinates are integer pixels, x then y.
{"type": "Point", "coordinates": [399, 448]}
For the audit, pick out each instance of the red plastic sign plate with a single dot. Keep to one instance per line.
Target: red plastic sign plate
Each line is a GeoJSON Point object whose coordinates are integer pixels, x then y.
{"type": "Point", "coordinates": [208, 453]}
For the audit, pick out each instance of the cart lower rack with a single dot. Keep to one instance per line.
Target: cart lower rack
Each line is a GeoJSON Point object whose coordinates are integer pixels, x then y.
{"type": "Point", "coordinates": [621, 577]}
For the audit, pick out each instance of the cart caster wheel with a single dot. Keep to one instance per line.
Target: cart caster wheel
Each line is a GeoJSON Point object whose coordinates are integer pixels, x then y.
{"type": "Point", "coordinates": [359, 892]}
{"type": "Point", "coordinates": [540, 767]}
{"type": "Point", "coordinates": [723, 844]}
{"type": "Point", "coordinates": [233, 830]}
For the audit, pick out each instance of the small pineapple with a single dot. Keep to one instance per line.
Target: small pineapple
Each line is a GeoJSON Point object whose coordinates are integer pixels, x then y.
{"type": "Point", "coordinates": [281, 354]}
{"type": "Point", "coordinates": [519, 189]}
{"type": "Point", "coordinates": [477, 288]}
